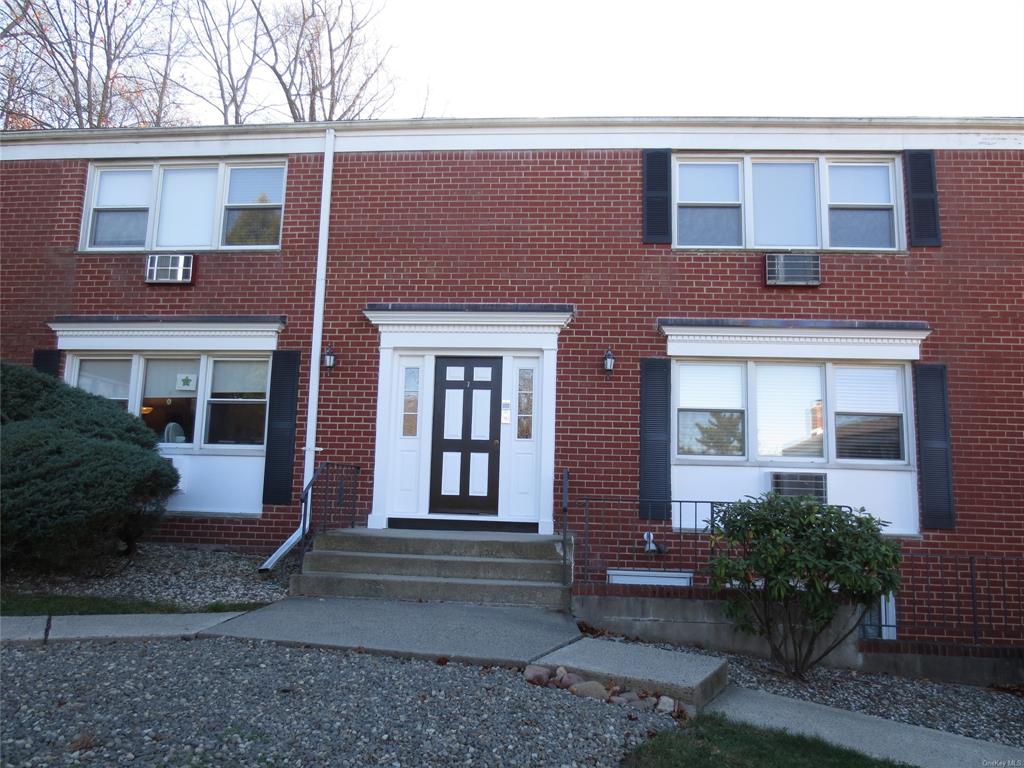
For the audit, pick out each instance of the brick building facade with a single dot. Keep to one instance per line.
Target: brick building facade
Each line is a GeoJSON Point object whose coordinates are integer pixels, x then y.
{"type": "Point", "coordinates": [527, 240]}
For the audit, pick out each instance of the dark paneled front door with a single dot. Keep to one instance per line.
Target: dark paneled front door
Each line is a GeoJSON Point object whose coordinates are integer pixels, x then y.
{"type": "Point", "coordinates": [466, 440]}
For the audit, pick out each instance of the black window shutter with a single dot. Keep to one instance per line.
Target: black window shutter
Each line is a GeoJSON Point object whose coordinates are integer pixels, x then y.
{"type": "Point", "coordinates": [655, 467]}
{"type": "Point", "coordinates": [923, 194]}
{"type": "Point", "coordinates": [935, 453]}
{"type": "Point", "coordinates": [284, 395]}
{"type": "Point", "coordinates": [657, 196]}
{"type": "Point", "coordinates": [46, 361]}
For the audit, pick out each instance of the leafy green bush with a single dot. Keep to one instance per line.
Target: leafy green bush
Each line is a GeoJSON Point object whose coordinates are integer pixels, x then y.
{"type": "Point", "coordinates": [792, 566]}
{"type": "Point", "coordinates": [79, 475]}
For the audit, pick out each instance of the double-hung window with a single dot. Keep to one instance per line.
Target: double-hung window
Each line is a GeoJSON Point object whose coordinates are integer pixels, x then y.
{"type": "Point", "coordinates": [712, 414]}
{"type": "Point", "coordinates": [185, 205]}
{"type": "Point", "coordinates": [193, 402]}
{"type": "Point", "coordinates": [769, 202]}
{"type": "Point", "coordinates": [710, 208]}
{"type": "Point", "coordinates": [790, 412]}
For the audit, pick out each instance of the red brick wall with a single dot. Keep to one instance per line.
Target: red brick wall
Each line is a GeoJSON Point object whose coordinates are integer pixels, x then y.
{"type": "Point", "coordinates": [43, 275]}
{"type": "Point", "coordinates": [564, 226]}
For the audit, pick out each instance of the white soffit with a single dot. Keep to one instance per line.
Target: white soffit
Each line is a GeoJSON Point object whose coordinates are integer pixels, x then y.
{"type": "Point", "coordinates": [167, 336]}
{"type": "Point", "coordinates": [796, 343]}
{"type": "Point", "coordinates": [680, 134]}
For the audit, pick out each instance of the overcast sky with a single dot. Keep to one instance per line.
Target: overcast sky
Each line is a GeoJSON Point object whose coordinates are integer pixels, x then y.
{"type": "Point", "coordinates": [537, 58]}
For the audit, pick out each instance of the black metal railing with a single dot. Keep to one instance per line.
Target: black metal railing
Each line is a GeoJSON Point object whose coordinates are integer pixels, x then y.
{"type": "Point", "coordinates": [684, 523]}
{"type": "Point", "coordinates": [681, 529]}
{"type": "Point", "coordinates": [329, 500]}
{"type": "Point", "coordinates": [970, 598]}
{"type": "Point", "coordinates": [566, 566]}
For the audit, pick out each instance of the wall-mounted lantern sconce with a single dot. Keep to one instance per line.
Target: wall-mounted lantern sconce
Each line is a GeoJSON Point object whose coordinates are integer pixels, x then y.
{"type": "Point", "coordinates": [329, 359]}
{"type": "Point", "coordinates": [609, 362]}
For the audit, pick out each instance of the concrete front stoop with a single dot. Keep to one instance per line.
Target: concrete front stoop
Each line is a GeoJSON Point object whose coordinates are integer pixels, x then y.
{"type": "Point", "coordinates": [451, 566]}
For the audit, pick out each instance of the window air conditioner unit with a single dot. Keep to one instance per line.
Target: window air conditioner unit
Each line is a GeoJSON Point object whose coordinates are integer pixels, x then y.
{"type": "Point", "coordinates": [169, 268]}
{"type": "Point", "coordinates": [801, 484]}
{"type": "Point", "coordinates": [792, 269]}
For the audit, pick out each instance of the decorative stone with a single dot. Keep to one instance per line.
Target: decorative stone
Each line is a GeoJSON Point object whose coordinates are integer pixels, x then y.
{"type": "Point", "coordinates": [569, 679]}
{"type": "Point", "coordinates": [561, 672]}
{"type": "Point", "coordinates": [617, 700]}
{"type": "Point", "coordinates": [665, 704]}
{"type": "Point", "coordinates": [536, 674]}
{"type": "Point", "coordinates": [591, 689]}
{"type": "Point", "coordinates": [630, 696]}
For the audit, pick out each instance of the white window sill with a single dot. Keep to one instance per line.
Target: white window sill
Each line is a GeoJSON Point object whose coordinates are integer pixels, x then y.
{"type": "Point", "coordinates": [230, 515]}
{"type": "Point", "coordinates": [169, 449]}
{"type": "Point", "coordinates": [194, 251]}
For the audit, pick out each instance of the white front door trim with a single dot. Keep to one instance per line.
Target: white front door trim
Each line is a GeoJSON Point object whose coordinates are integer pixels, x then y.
{"type": "Point", "coordinates": [433, 333]}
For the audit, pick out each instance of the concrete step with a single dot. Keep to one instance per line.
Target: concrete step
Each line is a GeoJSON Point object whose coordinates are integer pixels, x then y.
{"type": "Point", "coordinates": [691, 678]}
{"type": "Point", "coordinates": [452, 543]}
{"type": "Point", "coordinates": [553, 595]}
{"type": "Point", "coordinates": [438, 566]}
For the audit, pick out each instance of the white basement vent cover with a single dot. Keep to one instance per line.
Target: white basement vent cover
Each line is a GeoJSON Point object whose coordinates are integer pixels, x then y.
{"type": "Point", "coordinates": [650, 576]}
{"type": "Point", "coordinates": [169, 268]}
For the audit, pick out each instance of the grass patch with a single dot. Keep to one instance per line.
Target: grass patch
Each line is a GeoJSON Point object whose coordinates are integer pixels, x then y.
{"type": "Point", "coordinates": [712, 741]}
{"type": "Point", "coordinates": [39, 604]}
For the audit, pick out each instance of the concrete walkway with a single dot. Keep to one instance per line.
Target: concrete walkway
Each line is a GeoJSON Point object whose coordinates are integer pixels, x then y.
{"type": "Point", "coordinates": [134, 626]}
{"type": "Point", "coordinates": [871, 735]}
{"type": "Point", "coordinates": [478, 634]}
{"type": "Point", "coordinates": [514, 637]}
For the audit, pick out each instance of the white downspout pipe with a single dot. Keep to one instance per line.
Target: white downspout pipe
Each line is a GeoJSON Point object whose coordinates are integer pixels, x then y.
{"type": "Point", "coordinates": [315, 346]}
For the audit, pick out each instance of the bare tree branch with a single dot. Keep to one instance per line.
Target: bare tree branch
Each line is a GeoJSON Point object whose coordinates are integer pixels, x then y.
{"type": "Point", "coordinates": [322, 56]}
{"type": "Point", "coordinates": [97, 61]}
{"type": "Point", "coordinates": [228, 39]}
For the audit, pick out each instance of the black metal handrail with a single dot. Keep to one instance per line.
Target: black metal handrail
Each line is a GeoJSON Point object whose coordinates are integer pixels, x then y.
{"type": "Point", "coordinates": [329, 498]}
{"type": "Point", "coordinates": [566, 568]}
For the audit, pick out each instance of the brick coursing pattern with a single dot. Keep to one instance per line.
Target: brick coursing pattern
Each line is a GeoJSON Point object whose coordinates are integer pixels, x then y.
{"type": "Point", "coordinates": [561, 227]}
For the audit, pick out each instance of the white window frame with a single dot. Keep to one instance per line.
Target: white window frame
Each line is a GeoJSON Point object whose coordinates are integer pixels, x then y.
{"type": "Point", "coordinates": [223, 167]}
{"type": "Point", "coordinates": [742, 175]}
{"type": "Point", "coordinates": [198, 446]}
{"type": "Point", "coordinates": [827, 204]}
{"type": "Point", "coordinates": [207, 398]}
{"type": "Point", "coordinates": [410, 365]}
{"type": "Point", "coordinates": [822, 163]}
{"type": "Point", "coordinates": [747, 407]}
{"type": "Point", "coordinates": [829, 460]}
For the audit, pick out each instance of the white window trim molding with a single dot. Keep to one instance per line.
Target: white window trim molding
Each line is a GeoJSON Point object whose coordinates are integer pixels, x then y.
{"type": "Point", "coordinates": [153, 336]}
{"type": "Point", "coordinates": [157, 168]}
{"type": "Point", "coordinates": [793, 343]}
{"type": "Point", "coordinates": [822, 163]}
{"type": "Point", "coordinates": [439, 331]}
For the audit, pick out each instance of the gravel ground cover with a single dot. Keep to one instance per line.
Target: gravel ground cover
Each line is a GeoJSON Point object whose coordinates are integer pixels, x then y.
{"type": "Point", "coordinates": [968, 710]}
{"type": "Point", "coordinates": [190, 577]}
{"type": "Point", "coordinates": [231, 703]}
